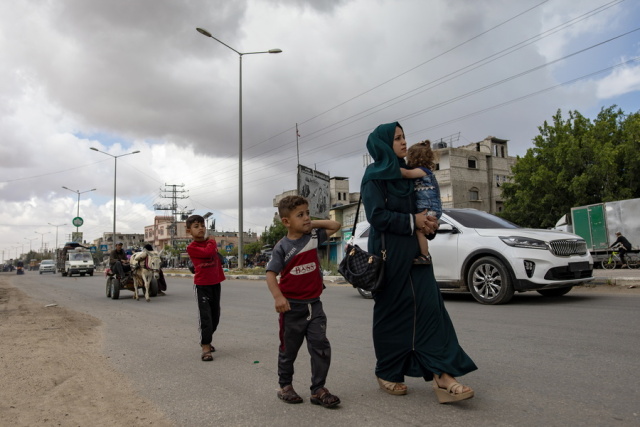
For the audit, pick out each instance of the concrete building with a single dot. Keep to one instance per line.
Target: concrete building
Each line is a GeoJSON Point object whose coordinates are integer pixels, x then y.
{"type": "Point", "coordinates": [128, 240]}
{"type": "Point", "coordinates": [160, 234]}
{"type": "Point", "coordinates": [470, 176]}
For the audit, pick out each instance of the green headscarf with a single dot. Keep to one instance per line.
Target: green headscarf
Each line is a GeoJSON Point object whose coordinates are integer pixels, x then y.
{"type": "Point", "coordinates": [386, 165]}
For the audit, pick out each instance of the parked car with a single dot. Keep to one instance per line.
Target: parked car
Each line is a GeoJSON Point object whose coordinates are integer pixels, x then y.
{"type": "Point", "coordinates": [492, 258]}
{"type": "Point", "coordinates": [47, 266]}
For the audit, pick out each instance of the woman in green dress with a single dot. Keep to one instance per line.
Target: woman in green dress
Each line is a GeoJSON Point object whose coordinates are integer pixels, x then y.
{"type": "Point", "coordinates": [412, 332]}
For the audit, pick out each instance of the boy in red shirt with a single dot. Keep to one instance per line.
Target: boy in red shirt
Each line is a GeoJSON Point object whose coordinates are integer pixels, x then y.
{"type": "Point", "coordinates": [297, 299]}
{"type": "Point", "coordinates": [203, 252]}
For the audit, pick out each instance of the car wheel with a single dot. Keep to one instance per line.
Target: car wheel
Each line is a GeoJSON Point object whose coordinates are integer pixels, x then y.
{"type": "Point", "coordinates": [558, 292]}
{"type": "Point", "coordinates": [489, 282]}
{"type": "Point", "coordinates": [365, 294]}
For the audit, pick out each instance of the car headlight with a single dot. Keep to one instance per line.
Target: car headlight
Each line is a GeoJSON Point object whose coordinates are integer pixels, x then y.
{"type": "Point", "coordinates": [524, 242]}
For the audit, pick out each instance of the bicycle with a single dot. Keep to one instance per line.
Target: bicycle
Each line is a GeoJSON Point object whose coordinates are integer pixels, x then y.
{"type": "Point", "coordinates": [632, 260]}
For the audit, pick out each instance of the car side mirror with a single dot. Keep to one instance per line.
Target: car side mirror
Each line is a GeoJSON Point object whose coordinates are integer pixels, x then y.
{"type": "Point", "coordinates": [447, 228]}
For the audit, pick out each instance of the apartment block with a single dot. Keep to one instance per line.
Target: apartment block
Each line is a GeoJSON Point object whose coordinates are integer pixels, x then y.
{"type": "Point", "coordinates": [470, 176]}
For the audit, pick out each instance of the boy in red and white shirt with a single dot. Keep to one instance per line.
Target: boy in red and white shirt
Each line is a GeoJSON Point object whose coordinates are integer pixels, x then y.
{"type": "Point", "coordinates": [297, 299]}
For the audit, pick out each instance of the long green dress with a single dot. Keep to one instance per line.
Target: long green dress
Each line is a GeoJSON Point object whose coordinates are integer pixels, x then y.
{"type": "Point", "coordinates": [412, 332]}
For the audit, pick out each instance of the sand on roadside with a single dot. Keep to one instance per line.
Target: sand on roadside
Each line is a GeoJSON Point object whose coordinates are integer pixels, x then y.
{"type": "Point", "coordinates": [54, 374]}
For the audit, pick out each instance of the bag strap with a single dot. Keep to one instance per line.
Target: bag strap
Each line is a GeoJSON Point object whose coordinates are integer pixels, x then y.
{"type": "Point", "coordinates": [355, 220]}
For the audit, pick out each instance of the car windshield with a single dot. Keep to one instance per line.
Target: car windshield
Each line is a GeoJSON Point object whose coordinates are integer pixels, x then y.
{"type": "Point", "coordinates": [478, 219]}
{"type": "Point", "coordinates": [47, 261]}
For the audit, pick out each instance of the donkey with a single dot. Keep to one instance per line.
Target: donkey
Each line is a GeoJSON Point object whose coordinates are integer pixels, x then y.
{"type": "Point", "coordinates": [144, 265]}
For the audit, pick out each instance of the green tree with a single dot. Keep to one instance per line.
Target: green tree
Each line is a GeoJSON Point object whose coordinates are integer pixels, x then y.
{"type": "Point", "coordinates": [252, 248]}
{"type": "Point", "coordinates": [274, 232]}
{"type": "Point", "coordinates": [575, 162]}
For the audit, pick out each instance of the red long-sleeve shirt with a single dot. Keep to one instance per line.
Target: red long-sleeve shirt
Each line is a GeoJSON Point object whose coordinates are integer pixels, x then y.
{"type": "Point", "coordinates": [205, 259]}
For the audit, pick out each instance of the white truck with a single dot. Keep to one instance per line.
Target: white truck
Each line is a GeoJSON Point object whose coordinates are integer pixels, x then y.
{"type": "Point", "coordinates": [74, 259]}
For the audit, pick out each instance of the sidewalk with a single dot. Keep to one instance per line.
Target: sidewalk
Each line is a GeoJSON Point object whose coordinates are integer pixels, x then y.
{"type": "Point", "coordinates": [618, 277]}
{"type": "Point", "coordinates": [229, 276]}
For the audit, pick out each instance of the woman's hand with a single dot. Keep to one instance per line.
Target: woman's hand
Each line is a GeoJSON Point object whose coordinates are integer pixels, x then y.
{"type": "Point", "coordinates": [426, 223]}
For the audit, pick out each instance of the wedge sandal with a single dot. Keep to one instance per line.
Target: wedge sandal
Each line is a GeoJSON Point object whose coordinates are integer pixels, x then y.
{"type": "Point", "coordinates": [449, 394]}
{"type": "Point", "coordinates": [397, 389]}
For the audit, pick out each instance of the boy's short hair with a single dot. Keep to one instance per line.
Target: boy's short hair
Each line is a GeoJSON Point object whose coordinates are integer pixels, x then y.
{"type": "Point", "coordinates": [289, 203]}
{"type": "Point", "coordinates": [194, 218]}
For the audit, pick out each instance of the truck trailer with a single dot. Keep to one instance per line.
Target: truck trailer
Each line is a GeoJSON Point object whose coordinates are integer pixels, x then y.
{"type": "Point", "coordinates": [597, 224]}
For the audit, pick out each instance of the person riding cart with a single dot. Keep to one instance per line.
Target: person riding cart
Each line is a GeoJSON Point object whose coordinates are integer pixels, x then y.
{"type": "Point", "coordinates": [119, 262]}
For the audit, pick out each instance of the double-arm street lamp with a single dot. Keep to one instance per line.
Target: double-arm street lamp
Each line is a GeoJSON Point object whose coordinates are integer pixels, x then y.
{"type": "Point", "coordinates": [30, 240]}
{"type": "Point", "coordinates": [42, 243]}
{"type": "Point", "coordinates": [115, 176]}
{"type": "Point", "coordinates": [78, 192]}
{"type": "Point", "coordinates": [240, 208]}
{"type": "Point", "coordinates": [56, 226]}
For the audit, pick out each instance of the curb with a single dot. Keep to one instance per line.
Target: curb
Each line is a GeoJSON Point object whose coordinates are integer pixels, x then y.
{"type": "Point", "coordinates": [332, 279]}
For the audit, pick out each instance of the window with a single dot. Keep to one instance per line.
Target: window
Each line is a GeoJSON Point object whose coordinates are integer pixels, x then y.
{"type": "Point", "coordinates": [339, 196]}
{"type": "Point", "coordinates": [474, 195]}
{"type": "Point", "coordinates": [437, 166]}
{"type": "Point", "coordinates": [472, 163]}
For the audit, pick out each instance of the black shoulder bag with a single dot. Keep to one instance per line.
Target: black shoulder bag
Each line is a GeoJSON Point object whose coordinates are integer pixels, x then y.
{"type": "Point", "coordinates": [360, 268]}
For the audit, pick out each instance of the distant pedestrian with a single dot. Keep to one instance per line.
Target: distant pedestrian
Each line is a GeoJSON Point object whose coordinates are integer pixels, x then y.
{"type": "Point", "coordinates": [203, 252]}
{"type": "Point", "coordinates": [297, 299]}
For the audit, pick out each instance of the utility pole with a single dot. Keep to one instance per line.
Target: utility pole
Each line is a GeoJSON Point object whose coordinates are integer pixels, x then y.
{"type": "Point", "coordinates": [171, 191]}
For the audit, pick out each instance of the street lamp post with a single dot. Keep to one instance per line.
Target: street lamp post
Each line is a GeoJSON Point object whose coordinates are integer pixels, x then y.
{"type": "Point", "coordinates": [30, 240]}
{"type": "Point", "coordinates": [206, 220]}
{"type": "Point", "coordinates": [240, 208]}
{"type": "Point", "coordinates": [42, 244]}
{"type": "Point", "coordinates": [115, 175]}
{"type": "Point", "coordinates": [56, 226]}
{"type": "Point", "coordinates": [78, 192]}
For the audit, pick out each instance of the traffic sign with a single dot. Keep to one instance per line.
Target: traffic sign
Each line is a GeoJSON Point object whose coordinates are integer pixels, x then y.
{"type": "Point", "coordinates": [77, 221]}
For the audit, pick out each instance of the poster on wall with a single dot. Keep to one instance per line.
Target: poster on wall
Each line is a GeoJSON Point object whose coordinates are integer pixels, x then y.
{"type": "Point", "coordinates": [314, 186]}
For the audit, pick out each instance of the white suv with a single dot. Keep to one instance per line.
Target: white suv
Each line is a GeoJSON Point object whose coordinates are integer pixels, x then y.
{"type": "Point", "coordinates": [47, 266]}
{"type": "Point", "coordinates": [492, 258]}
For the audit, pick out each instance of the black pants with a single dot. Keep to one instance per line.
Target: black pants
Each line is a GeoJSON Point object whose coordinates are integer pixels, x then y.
{"type": "Point", "coordinates": [304, 321]}
{"type": "Point", "coordinates": [208, 297]}
{"type": "Point", "coordinates": [119, 268]}
{"type": "Point", "coordinates": [621, 252]}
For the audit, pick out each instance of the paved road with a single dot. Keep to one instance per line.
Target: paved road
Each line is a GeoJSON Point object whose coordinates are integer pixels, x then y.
{"type": "Point", "coordinates": [567, 361]}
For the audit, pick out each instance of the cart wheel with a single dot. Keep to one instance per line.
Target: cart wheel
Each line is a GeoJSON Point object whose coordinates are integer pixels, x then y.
{"type": "Point", "coordinates": [153, 288]}
{"type": "Point", "coordinates": [108, 290]}
{"type": "Point", "coordinates": [115, 288]}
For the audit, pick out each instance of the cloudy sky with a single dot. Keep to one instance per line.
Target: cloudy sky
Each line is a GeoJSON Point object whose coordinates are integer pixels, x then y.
{"type": "Point", "coordinates": [127, 75]}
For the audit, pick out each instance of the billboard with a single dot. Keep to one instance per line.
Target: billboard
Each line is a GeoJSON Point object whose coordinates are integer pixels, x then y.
{"type": "Point", "coordinates": [314, 186]}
